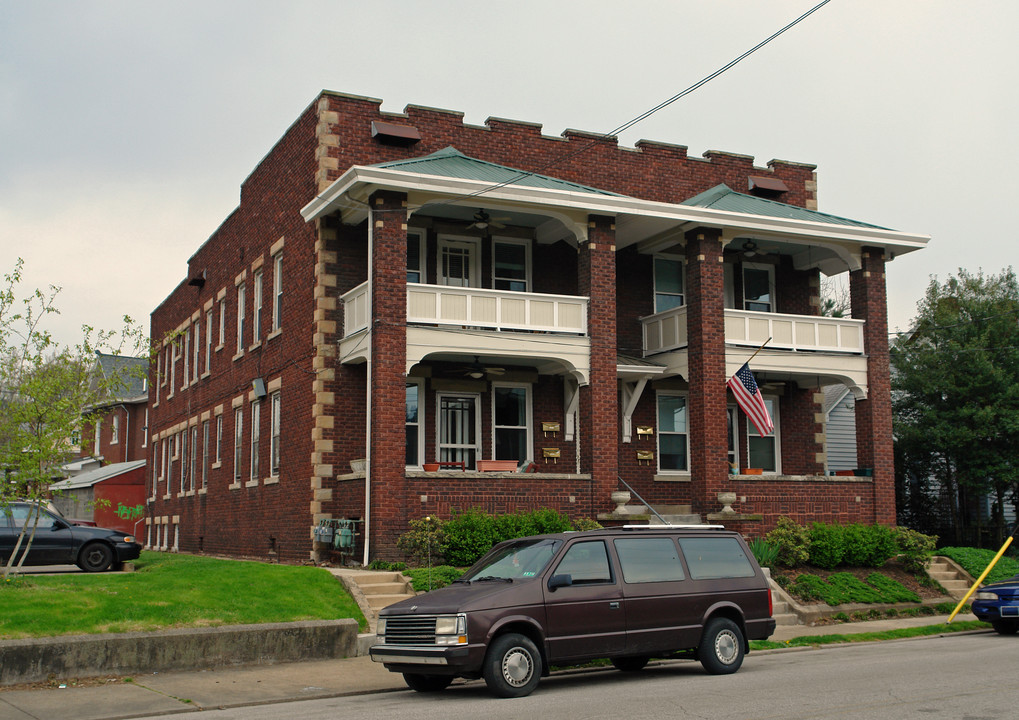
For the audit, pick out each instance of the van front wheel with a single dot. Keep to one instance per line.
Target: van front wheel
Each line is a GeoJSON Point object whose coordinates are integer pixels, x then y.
{"type": "Point", "coordinates": [427, 683]}
{"type": "Point", "coordinates": [721, 648]}
{"type": "Point", "coordinates": [512, 666]}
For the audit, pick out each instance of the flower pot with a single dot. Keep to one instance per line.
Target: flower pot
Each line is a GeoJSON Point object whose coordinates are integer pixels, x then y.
{"type": "Point", "coordinates": [620, 498]}
{"type": "Point", "coordinates": [357, 465]}
{"type": "Point", "coordinates": [727, 499]}
{"type": "Point", "coordinates": [752, 471]}
{"type": "Point", "coordinates": [431, 467]}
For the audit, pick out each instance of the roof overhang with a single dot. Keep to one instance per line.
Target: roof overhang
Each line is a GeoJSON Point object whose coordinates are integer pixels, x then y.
{"type": "Point", "coordinates": [637, 220]}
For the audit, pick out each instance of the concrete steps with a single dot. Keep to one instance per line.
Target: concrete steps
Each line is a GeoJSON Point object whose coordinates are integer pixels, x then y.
{"type": "Point", "coordinates": [951, 577]}
{"type": "Point", "coordinates": [374, 590]}
{"type": "Point", "coordinates": [783, 613]}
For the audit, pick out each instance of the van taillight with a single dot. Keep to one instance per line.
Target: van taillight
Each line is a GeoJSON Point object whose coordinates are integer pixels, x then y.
{"type": "Point", "coordinates": [770, 605]}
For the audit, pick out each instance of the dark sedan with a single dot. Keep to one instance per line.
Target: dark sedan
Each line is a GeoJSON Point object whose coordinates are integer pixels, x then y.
{"type": "Point", "coordinates": [58, 542]}
{"type": "Point", "coordinates": [998, 604]}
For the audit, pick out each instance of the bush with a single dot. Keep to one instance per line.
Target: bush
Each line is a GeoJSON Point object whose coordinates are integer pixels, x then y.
{"type": "Point", "coordinates": [423, 579]}
{"type": "Point", "coordinates": [868, 545]}
{"type": "Point", "coordinates": [891, 591]}
{"type": "Point", "coordinates": [425, 542]}
{"type": "Point", "coordinates": [765, 552]}
{"type": "Point", "coordinates": [827, 545]}
{"type": "Point", "coordinates": [581, 524]}
{"type": "Point", "coordinates": [469, 535]}
{"type": "Point", "coordinates": [915, 548]}
{"type": "Point", "coordinates": [793, 541]}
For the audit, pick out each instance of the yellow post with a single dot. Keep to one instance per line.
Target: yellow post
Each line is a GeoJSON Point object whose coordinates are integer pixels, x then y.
{"type": "Point", "coordinates": [979, 580]}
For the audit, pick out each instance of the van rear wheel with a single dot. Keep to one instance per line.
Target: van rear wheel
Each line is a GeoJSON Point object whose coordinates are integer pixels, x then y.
{"type": "Point", "coordinates": [721, 648]}
{"type": "Point", "coordinates": [512, 666]}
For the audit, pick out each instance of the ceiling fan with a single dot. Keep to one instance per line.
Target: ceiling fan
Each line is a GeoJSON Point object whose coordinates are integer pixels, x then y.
{"type": "Point", "coordinates": [484, 221]}
{"type": "Point", "coordinates": [477, 371]}
{"type": "Point", "coordinates": [751, 248]}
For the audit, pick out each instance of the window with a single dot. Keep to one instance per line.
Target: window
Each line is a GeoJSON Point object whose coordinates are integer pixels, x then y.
{"type": "Point", "coordinates": [668, 283]}
{"type": "Point", "coordinates": [205, 454]}
{"type": "Point", "coordinates": [155, 466]}
{"type": "Point", "coordinates": [649, 560]}
{"type": "Point", "coordinates": [511, 422]}
{"type": "Point", "coordinates": [256, 408]}
{"type": "Point", "coordinates": [219, 439]}
{"type": "Point", "coordinates": [238, 439]}
{"type": "Point", "coordinates": [586, 562]}
{"type": "Point", "coordinates": [208, 341]}
{"type": "Point", "coordinates": [274, 437]}
{"type": "Point", "coordinates": [673, 438]}
{"type": "Point", "coordinates": [183, 446]}
{"type": "Point", "coordinates": [114, 428]}
{"type": "Point", "coordinates": [171, 447]}
{"type": "Point", "coordinates": [166, 454]}
{"type": "Point", "coordinates": [240, 318]}
{"type": "Point", "coordinates": [222, 323]}
{"type": "Point", "coordinates": [145, 429]}
{"type": "Point", "coordinates": [194, 368]}
{"type": "Point", "coordinates": [458, 262]}
{"type": "Point", "coordinates": [160, 380]}
{"type": "Point", "coordinates": [277, 291]}
{"type": "Point", "coordinates": [173, 366]}
{"type": "Point", "coordinates": [762, 452]}
{"type": "Point", "coordinates": [720, 557]}
{"type": "Point", "coordinates": [510, 265]}
{"type": "Point", "coordinates": [192, 457]}
{"type": "Point", "coordinates": [256, 307]}
{"type": "Point", "coordinates": [758, 287]}
{"type": "Point", "coordinates": [187, 358]}
{"type": "Point", "coordinates": [414, 426]}
{"type": "Point", "coordinates": [98, 437]}
{"type": "Point", "coordinates": [415, 255]}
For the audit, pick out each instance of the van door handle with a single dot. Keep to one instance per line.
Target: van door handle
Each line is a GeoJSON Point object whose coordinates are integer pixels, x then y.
{"type": "Point", "coordinates": [613, 606]}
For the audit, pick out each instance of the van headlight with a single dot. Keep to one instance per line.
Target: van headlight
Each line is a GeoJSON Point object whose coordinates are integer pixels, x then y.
{"type": "Point", "coordinates": [380, 627]}
{"type": "Point", "coordinates": [986, 595]}
{"type": "Point", "coordinates": [451, 629]}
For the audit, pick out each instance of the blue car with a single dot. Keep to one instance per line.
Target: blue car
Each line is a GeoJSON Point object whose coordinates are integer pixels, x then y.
{"type": "Point", "coordinates": [998, 604]}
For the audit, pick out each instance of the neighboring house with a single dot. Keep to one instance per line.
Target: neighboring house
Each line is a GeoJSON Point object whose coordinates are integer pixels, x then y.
{"type": "Point", "coordinates": [393, 290]}
{"type": "Point", "coordinates": [840, 428]}
{"type": "Point", "coordinates": [120, 432]}
{"type": "Point", "coordinates": [112, 496]}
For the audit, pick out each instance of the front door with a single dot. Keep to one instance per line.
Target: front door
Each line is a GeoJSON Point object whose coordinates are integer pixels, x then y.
{"type": "Point", "coordinates": [459, 262]}
{"type": "Point", "coordinates": [459, 428]}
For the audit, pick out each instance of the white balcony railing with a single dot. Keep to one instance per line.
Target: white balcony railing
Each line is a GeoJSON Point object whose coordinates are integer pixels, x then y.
{"type": "Point", "coordinates": [476, 307]}
{"type": "Point", "coordinates": [667, 331]}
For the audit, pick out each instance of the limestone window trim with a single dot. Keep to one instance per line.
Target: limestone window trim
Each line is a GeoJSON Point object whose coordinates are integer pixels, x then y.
{"type": "Point", "coordinates": [234, 486]}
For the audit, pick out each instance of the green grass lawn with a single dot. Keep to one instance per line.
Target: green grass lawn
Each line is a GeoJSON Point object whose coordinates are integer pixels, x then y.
{"type": "Point", "coordinates": [169, 590]}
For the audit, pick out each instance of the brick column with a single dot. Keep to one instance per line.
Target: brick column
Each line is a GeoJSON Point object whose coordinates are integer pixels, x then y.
{"type": "Point", "coordinates": [599, 401]}
{"type": "Point", "coordinates": [874, 415]}
{"type": "Point", "coordinates": [705, 321]}
{"type": "Point", "coordinates": [388, 273]}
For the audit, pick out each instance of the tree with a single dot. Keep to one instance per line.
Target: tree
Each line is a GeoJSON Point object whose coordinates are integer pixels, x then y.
{"type": "Point", "coordinates": [955, 399]}
{"type": "Point", "coordinates": [45, 387]}
{"type": "Point", "coordinates": [835, 300]}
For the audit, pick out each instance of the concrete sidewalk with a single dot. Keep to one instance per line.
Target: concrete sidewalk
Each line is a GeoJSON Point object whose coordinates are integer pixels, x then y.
{"type": "Point", "coordinates": [171, 692]}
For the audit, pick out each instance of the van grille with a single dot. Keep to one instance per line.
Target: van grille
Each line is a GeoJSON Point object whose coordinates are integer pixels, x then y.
{"type": "Point", "coordinates": [410, 630]}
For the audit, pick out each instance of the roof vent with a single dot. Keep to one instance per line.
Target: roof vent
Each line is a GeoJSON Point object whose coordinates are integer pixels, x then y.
{"type": "Point", "coordinates": [766, 187]}
{"type": "Point", "coordinates": [393, 134]}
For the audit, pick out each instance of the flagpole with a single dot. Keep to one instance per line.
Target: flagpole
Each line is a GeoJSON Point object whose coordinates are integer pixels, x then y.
{"type": "Point", "coordinates": [757, 351]}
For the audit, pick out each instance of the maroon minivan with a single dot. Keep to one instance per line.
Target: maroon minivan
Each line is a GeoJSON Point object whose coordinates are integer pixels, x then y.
{"type": "Point", "coordinates": [627, 594]}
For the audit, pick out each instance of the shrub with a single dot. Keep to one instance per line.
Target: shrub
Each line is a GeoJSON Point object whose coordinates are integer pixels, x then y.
{"type": "Point", "coordinates": [793, 541]}
{"type": "Point", "coordinates": [809, 587]}
{"type": "Point", "coordinates": [868, 545]}
{"type": "Point", "coordinates": [765, 552]}
{"type": "Point", "coordinates": [425, 542]}
{"type": "Point", "coordinates": [827, 545]}
{"type": "Point", "coordinates": [544, 520]}
{"type": "Point", "coordinates": [423, 579]}
{"type": "Point", "coordinates": [891, 591]}
{"type": "Point", "coordinates": [581, 524]}
{"type": "Point", "coordinates": [915, 548]}
{"type": "Point", "coordinates": [469, 535]}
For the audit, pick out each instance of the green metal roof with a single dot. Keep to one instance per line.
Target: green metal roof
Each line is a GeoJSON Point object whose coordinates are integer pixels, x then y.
{"type": "Point", "coordinates": [452, 163]}
{"type": "Point", "coordinates": [722, 197]}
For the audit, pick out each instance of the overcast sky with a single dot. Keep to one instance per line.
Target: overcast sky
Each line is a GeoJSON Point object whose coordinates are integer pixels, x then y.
{"type": "Point", "coordinates": [126, 127]}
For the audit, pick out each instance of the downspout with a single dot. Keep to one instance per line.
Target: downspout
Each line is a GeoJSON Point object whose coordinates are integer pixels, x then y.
{"type": "Point", "coordinates": [368, 401]}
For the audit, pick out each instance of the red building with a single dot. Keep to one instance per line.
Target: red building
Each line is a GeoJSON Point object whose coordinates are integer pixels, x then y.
{"type": "Point", "coordinates": [405, 288]}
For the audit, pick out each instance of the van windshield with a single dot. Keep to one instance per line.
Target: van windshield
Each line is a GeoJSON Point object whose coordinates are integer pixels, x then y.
{"type": "Point", "coordinates": [517, 560]}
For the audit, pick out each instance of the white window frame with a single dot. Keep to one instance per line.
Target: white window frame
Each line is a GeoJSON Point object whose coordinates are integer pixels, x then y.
{"type": "Point", "coordinates": [498, 240]}
{"type": "Point", "coordinates": [219, 439]}
{"type": "Point", "coordinates": [208, 341]}
{"type": "Point", "coordinates": [241, 301]}
{"type": "Point", "coordinates": [477, 447]}
{"type": "Point", "coordinates": [420, 423]}
{"type": "Point", "coordinates": [277, 291]}
{"type": "Point", "coordinates": [187, 359]}
{"type": "Point", "coordinates": [256, 430]}
{"type": "Point", "coordinates": [256, 308]}
{"type": "Point", "coordinates": [222, 324]}
{"type": "Point", "coordinates": [145, 429]}
{"type": "Point", "coordinates": [166, 455]}
{"type": "Point", "coordinates": [183, 448]}
{"type": "Point", "coordinates": [238, 441]}
{"type": "Point", "coordinates": [659, 433]}
{"type": "Point", "coordinates": [474, 272]}
{"type": "Point", "coordinates": [275, 422]}
{"type": "Point", "coordinates": [198, 353]}
{"type": "Point", "coordinates": [114, 428]}
{"type": "Point", "coordinates": [192, 457]}
{"type": "Point", "coordinates": [97, 441]}
{"type": "Point", "coordinates": [528, 426]}
{"type": "Point", "coordinates": [205, 454]}
{"type": "Point", "coordinates": [417, 237]}
{"type": "Point", "coordinates": [668, 257]}
{"type": "Point", "coordinates": [770, 269]}
{"type": "Point", "coordinates": [776, 437]}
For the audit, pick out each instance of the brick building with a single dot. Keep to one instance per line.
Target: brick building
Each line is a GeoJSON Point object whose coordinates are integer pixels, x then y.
{"type": "Point", "coordinates": [393, 290]}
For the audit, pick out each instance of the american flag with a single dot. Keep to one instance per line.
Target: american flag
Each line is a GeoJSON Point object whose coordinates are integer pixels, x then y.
{"type": "Point", "coordinates": [748, 395]}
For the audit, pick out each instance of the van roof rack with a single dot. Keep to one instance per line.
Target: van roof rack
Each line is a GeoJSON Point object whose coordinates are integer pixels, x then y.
{"type": "Point", "coordinates": [689, 526]}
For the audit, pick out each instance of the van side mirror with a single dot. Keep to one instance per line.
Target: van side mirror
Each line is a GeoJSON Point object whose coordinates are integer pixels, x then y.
{"type": "Point", "coordinates": [558, 581]}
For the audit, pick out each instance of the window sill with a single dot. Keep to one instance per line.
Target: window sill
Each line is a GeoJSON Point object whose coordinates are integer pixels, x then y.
{"type": "Point", "coordinates": [275, 333]}
{"type": "Point", "coordinates": [219, 347]}
{"type": "Point", "coordinates": [216, 465]}
{"type": "Point", "coordinates": [251, 483]}
{"type": "Point", "coordinates": [238, 356]}
{"type": "Point", "coordinates": [271, 480]}
{"type": "Point", "coordinates": [672, 477]}
{"type": "Point", "coordinates": [167, 496]}
{"type": "Point", "coordinates": [234, 486]}
{"type": "Point", "coordinates": [203, 491]}
{"type": "Point", "coordinates": [206, 374]}
{"type": "Point", "coordinates": [254, 347]}
{"type": "Point", "coordinates": [189, 493]}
